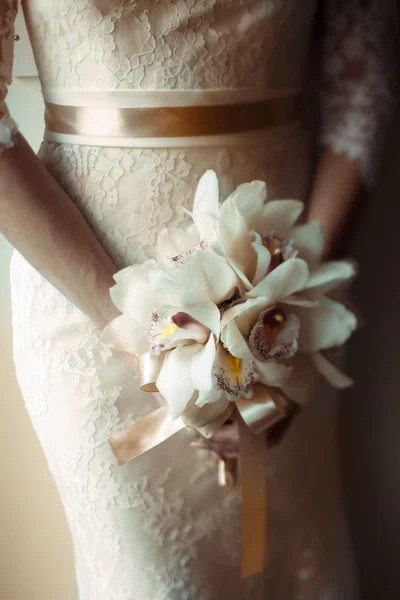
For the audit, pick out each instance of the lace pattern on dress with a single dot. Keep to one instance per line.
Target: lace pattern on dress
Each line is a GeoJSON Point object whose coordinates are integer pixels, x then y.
{"type": "Point", "coordinates": [8, 127]}
{"type": "Point", "coordinates": [358, 78]}
{"type": "Point", "coordinates": [140, 533]}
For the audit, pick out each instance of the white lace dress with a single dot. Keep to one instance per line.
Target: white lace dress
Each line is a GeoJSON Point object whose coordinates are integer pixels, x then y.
{"type": "Point", "coordinates": [160, 528]}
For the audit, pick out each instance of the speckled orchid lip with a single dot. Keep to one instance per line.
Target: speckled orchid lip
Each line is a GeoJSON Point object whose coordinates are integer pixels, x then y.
{"type": "Point", "coordinates": [275, 335]}
{"type": "Point", "coordinates": [234, 376]}
{"type": "Point", "coordinates": [168, 328]}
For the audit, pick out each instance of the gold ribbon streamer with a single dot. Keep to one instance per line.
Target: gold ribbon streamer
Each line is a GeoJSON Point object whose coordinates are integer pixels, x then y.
{"type": "Point", "coordinates": [173, 121]}
{"type": "Point", "coordinates": [145, 434]}
{"type": "Point", "coordinates": [257, 414]}
{"type": "Point", "coordinates": [253, 476]}
{"type": "Point", "coordinates": [149, 369]}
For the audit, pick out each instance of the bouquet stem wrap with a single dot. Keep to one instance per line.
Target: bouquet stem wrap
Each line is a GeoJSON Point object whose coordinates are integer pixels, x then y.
{"type": "Point", "coordinates": [256, 415]}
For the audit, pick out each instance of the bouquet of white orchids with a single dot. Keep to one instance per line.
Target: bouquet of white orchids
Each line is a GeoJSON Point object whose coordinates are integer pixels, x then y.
{"type": "Point", "coordinates": [236, 304]}
{"type": "Point", "coordinates": [232, 317]}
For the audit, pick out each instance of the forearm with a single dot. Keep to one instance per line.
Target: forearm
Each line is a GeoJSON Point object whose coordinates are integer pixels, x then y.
{"type": "Point", "coordinates": [334, 197]}
{"type": "Point", "coordinates": [46, 227]}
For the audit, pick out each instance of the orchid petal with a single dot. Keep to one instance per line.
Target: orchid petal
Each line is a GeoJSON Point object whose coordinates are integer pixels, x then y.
{"type": "Point", "coordinates": [235, 342]}
{"type": "Point", "coordinates": [263, 259]}
{"type": "Point", "coordinates": [173, 242]}
{"type": "Point", "coordinates": [290, 277]}
{"type": "Point", "coordinates": [243, 281]}
{"type": "Point", "coordinates": [234, 238]}
{"type": "Point", "coordinates": [125, 334]}
{"type": "Point", "coordinates": [207, 408]}
{"type": "Point", "coordinates": [249, 198]}
{"type": "Point", "coordinates": [210, 397]}
{"type": "Point", "coordinates": [234, 375]}
{"type": "Point", "coordinates": [169, 329]}
{"type": "Point", "coordinates": [272, 340]}
{"type": "Point", "coordinates": [166, 289]}
{"type": "Point", "coordinates": [278, 217]}
{"type": "Point", "coordinates": [174, 381]}
{"type": "Point", "coordinates": [210, 276]}
{"type": "Point", "coordinates": [309, 241]}
{"type": "Point", "coordinates": [132, 295]}
{"type": "Point", "coordinates": [328, 276]}
{"type": "Point", "coordinates": [126, 274]}
{"type": "Point", "coordinates": [206, 206]}
{"type": "Point", "coordinates": [246, 314]}
{"type": "Point", "coordinates": [201, 309]}
{"type": "Point", "coordinates": [163, 334]}
{"type": "Point", "coordinates": [328, 325]}
{"type": "Point", "coordinates": [298, 300]}
{"type": "Point", "coordinates": [330, 372]}
{"type": "Point", "coordinates": [232, 313]}
{"type": "Point", "coordinates": [189, 328]}
{"type": "Point", "coordinates": [201, 366]}
{"type": "Point", "coordinates": [273, 374]}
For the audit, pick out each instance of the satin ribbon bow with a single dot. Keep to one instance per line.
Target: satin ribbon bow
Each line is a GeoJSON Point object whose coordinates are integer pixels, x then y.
{"type": "Point", "coordinates": [256, 415]}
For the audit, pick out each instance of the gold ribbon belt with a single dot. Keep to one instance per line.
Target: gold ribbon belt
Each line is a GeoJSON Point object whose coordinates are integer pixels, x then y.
{"type": "Point", "coordinates": [173, 122]}
{"type": "Point", "coordinates": [256, 415]}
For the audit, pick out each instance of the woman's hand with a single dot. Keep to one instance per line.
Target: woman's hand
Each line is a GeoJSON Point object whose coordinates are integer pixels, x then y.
{"type": "Point", "coordinates": [225, 442]}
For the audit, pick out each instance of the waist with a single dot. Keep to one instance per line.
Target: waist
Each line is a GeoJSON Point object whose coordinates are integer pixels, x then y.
{"type": "Point", "coordinates": [166, 118]}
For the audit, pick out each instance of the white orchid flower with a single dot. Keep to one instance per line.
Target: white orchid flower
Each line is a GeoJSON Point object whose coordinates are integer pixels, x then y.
{"type": "Point", "coordinates": [241, 364]}
{"type": "Point", "coordinates": [158, 312]}
{"type": "Point", "coordinates": [255, 235]}
{"type": "Point", "coordinates": [288, 317]}
{"type": "Point", "coordinates": [177, 245]}
{"type": "Point", "coordinates": [237, 373]}
{"type": "Point", "coordinates": [258, 235]}
{"type": "Point", "coordinates": [177, 318]}
{"type": "Point", "coordinates": [326, 325]}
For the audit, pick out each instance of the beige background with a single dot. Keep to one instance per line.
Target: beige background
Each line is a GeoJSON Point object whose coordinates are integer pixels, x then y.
{"type": "Point", "coordinates": [35, 552]}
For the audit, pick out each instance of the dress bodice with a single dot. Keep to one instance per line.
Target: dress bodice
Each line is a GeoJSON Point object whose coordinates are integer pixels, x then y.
{"type": "Point", "coordinates": [159, 44]}
{"type": "Point", "coordinates": [260, 45]}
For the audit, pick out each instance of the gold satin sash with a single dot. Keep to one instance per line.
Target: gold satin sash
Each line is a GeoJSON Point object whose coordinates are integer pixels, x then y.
{"type": "Point", "coordinates": [256, 415]}
{"type": "Point", "coordinates": [173, 122]}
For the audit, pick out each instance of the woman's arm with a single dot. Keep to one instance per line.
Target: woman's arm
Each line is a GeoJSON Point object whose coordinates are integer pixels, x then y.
{"type": "Point", "coordinates": [38, 217]}
{"type": "Point", "coordinates": [335, 199]}
{"type": "Point", "coordinates": [357, 85]}
{"type": "Point", "coordinates": [43, 223]}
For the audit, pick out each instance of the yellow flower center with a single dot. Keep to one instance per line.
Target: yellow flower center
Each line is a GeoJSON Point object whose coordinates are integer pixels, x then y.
{"type": "Point", "coordinates": [235, 363]}
{"type": "Point", "coordinates": [166, 333]}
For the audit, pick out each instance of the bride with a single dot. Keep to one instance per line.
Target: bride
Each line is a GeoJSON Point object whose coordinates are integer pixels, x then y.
{"type": "Point", "coordinates": [112, 170]}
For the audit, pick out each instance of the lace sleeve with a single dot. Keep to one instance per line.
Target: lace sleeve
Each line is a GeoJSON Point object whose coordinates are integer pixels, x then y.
{"type": "Point", "coordinates": [8, 127]}
{"type": "Point", "coordinates": [358, 77]}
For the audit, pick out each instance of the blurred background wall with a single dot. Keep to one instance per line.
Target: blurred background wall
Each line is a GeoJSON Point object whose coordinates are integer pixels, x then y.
{"type": "Point", "coordinates": [370, 412]}
{"type": "Point", "coordinates": [35, 550]}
